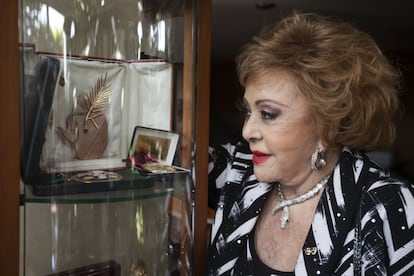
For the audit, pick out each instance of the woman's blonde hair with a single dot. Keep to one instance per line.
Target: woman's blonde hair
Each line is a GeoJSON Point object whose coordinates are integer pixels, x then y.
{"type": "Point", "coordinates": [350, 85]}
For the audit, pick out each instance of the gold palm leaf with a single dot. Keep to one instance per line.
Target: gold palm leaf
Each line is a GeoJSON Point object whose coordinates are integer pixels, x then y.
{"type": "Point", "coordinates": [96, 100]}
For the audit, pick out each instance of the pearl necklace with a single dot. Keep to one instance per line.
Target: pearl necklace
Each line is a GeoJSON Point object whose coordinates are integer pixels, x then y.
{"type": "Point", "coordinates": [285, 203]}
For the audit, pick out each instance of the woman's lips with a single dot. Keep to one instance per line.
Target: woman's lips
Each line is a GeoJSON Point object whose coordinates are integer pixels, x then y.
{"type": "Point", "coordinates": [259, 157]}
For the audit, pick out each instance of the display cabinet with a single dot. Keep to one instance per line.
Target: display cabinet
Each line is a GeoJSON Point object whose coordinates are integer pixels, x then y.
{"type": "Point", "coordinates": [140, 231]}
{"type": "Point", "coordinates": [109, 123]}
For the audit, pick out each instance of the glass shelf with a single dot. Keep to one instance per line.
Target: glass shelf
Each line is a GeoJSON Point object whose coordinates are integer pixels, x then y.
{"type": "Point", "coordinates": [138, 187]}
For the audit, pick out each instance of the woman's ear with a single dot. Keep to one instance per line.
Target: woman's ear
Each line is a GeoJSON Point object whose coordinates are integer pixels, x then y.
{"type": "Point", "coordinates": [321, 145]}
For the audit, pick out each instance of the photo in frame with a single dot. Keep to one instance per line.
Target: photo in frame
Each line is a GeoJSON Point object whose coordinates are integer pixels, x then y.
{"type": "Point", "coordinates": [152, 146]}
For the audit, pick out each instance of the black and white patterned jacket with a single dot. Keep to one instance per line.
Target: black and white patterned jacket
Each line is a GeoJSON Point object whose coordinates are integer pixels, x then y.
{"type": "Point", "coordinates": [363, 225]}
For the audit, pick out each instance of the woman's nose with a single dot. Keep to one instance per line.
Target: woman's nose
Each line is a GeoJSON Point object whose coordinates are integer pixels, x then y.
{"type": "Point", "coordinates": [250, 130]}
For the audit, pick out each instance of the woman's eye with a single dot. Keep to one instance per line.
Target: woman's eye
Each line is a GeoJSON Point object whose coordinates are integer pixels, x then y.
{"type": "Point", "coordinates": [268, 115]}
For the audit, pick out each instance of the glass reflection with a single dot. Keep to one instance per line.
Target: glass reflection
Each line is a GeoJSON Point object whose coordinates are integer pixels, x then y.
{"type": "Point", "coordinates": [117, 29]}
{"type": "Point", "coordinates": [132, 228]}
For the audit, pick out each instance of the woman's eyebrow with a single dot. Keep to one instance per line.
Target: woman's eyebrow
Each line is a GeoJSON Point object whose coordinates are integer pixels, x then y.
{"type": "Point", "coordinates": [261, 101]}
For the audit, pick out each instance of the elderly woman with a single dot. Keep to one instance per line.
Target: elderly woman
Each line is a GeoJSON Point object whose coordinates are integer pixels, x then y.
{"type": "Point", "coordinates": [299, 196]}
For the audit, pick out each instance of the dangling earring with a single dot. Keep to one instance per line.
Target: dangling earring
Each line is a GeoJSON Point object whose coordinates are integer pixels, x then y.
{"type": "Point", "coordinates": [318, 160]}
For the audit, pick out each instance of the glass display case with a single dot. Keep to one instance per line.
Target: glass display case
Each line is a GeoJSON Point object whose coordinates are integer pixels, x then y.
{"type": "Point", "coordinates": [107, 188]}
{"type": "Point", "coordinates": [140, 231]}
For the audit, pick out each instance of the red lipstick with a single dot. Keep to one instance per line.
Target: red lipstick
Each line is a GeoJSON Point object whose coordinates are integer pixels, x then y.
{"type": "Point", "coordinates": [259, 157]}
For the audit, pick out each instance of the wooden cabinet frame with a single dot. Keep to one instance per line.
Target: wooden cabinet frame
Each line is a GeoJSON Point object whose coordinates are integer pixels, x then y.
{"type": "Point", "coordinates": [9, 139]}
{"type": "Point", "coordinates": [202, 105]}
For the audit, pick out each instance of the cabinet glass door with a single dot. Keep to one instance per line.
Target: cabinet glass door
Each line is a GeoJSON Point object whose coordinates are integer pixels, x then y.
{"type": "Point", "coordinates": [106, 185]}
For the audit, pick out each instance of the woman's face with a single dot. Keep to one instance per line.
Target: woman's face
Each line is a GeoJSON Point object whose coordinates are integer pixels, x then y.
{"type": "Point", "coordinates": [279, 128]}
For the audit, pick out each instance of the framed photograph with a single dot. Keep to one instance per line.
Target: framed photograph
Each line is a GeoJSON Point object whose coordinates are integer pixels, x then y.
{"type": "Point", "coordinates": [150, 145]}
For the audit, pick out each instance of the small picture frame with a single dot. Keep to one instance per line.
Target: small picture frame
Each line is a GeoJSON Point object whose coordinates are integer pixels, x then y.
{"type": "Point", "coordinates": [150, 145]}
